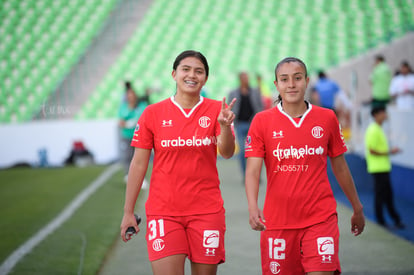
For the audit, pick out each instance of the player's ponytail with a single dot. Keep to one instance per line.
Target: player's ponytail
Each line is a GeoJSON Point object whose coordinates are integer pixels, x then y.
{"type": "Point", "coordinates": [278, 99]}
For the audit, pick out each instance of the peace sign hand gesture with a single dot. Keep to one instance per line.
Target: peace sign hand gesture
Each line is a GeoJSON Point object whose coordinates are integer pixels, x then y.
{"type": "Point", "coordinates": [226, 116]}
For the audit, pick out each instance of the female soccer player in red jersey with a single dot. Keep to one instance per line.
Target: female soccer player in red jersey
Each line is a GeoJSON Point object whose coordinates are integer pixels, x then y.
{"type": "Point", "coordinates": [185, 214]}
{"type": "Point", "coordinates": [299, 221]}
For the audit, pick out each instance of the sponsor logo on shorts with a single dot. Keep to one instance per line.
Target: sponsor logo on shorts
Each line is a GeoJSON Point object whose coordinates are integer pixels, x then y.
{"type": "Point", "coordinates": [158, 245]}
{"type": "Point", "coordinates": [274, 267]}
{"type": "Point", "coordinates": [210, 252]}
{"type": "Point", "coordinates": [211, 238]}
{"type": "Point", "coordinates": [326, 259]}
{"type": "Point", "coordinates": [326, 246]}
{"type": "Point", "coordinates": [326, 249]}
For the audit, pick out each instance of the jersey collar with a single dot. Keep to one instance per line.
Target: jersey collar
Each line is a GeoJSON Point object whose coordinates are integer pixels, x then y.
{"type": "Point", "coordinates": [182, 110]}
{"type": "Point", "coordinates": [296, 124]}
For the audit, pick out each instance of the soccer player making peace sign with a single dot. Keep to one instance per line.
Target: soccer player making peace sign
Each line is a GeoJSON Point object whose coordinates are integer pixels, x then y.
{"type": "Point", "coordinates": [184, 210]}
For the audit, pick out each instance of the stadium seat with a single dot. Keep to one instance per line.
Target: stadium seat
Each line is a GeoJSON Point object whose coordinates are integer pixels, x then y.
{"type": "Point", "coordinates": [34, 35]}
{"type": "Point", "coordinates": [42, 39]}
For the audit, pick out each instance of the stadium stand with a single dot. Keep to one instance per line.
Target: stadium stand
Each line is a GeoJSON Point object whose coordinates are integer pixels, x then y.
{"type": "Point", "coordinates": [250, 35]}
{"type": "Point", "coordinates": [41, 41]}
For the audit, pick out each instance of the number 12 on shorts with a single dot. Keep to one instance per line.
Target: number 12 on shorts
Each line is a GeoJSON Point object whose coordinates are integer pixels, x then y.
{"type": "Point", "coordinates": [156, 228]}
{"type": "Point", "coordinates": [277, 249]}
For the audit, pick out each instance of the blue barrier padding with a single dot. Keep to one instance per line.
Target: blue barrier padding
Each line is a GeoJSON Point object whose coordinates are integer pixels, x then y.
{"type": "Point", "coordinates": [403, 188]}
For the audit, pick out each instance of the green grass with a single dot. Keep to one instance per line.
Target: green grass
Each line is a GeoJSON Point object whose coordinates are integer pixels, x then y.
{"type": "Point", "coordinates": [30, 198]}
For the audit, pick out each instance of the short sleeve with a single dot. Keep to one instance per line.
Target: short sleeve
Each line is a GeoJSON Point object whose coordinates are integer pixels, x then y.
{"type": "Point", "coordinates": [254, 144]}
{"type": "Point", "coordinates": [371, 138]}
{"type": "Point", "coordinates": [144, 133]}
{"type": "Point", "coordinates": [337, 144]}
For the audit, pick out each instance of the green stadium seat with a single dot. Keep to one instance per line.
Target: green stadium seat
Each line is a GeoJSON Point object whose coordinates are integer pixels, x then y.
{"type": "Point", "coordinates": [34, 35]}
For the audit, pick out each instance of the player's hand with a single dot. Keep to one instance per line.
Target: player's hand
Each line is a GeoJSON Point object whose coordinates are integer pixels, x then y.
{"type": "Point", "coordinates": [257, 220]}
{"type": "Point", "coordinates": [357, 223]}
{"type": "Point", "coordinates": [226, 116]}
{"type": "Point", "coordinates": [127, 221]}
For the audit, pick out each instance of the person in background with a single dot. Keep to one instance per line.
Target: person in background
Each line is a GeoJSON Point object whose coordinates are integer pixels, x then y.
{"type": "Point", "coordinates": [314, 97]}
{"type": "Point", "coordinates": [380, 80]}
{"type": "Point", "coordinates": [248, 103]}
{"type": "Point", "coordinates": [331, 96]}
{"type": "Point", "coordinates": [299, 223]}
{"type": "Point", "coordinates": [327, 90]}
{"type": "Point", "coordinates": [377, 154]}
{"type": "Point", "coordinates": [184, 209]}
{"type": "Point", "coordinates": [264, 92]}
{"type": "Point", "coordinates": [146, 97]}
{"type": "Point", "coordinates": [402, 88]}
{"type": "Point", "coordinates": [79, 155]}
{"type": "Point", "coordinates": [128, 114]}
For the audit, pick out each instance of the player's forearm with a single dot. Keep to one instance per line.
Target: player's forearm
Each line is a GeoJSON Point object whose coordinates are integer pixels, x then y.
{"type": "Point", "coordinates": [252, 194]}
{"type": "Point", "coordinates": [136, 175]}
{"type": "Point", "coordinates": [348, 187]}
{"type": "Point", "coordinates": [226, 142]}
{"type": "Point", "coordinates": [133, 187]}
{"type": "Point", "coordinates": [253, 170]}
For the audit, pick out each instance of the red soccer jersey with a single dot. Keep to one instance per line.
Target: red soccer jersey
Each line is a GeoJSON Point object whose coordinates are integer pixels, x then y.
{"type": "Point", "coordinates": [184, 178]}
{"type": "Point", "coordinates": [295, 153]}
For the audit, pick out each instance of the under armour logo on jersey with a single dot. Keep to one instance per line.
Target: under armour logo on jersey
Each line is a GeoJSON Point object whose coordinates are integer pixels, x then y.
{"type": "Point", "coordinates": [167, 123]}
{"type": "Point", "coordinates": [278, 134]}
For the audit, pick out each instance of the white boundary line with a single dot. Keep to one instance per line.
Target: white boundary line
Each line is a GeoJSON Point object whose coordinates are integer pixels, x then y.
{"type": "Point", "coordinates": [25, 248]}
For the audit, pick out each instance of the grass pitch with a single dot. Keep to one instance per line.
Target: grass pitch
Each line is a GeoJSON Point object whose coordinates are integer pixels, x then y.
{"type": "Point", "coordinates": [30, 198]}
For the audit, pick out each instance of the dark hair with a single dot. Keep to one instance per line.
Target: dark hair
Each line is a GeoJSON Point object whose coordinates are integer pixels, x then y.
{"type": "Point", "coordinates": [128, 85]}
{"type": "Point", "coordinates": [405, 63]}
{"type": "Point", "coordinates": [321, 74]}
{"type": "Point", "coordinates": [377, 109]}
{"type": "Point", "coordinates": [191, 53]}
{"type": "Point", "coordinates": [288, 60]}
{"type": "Point", "coordinates": [379, 57]}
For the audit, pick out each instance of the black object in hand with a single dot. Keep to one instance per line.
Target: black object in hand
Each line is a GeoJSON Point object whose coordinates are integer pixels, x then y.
{"type": "Point", "coordinates": [131, 230]}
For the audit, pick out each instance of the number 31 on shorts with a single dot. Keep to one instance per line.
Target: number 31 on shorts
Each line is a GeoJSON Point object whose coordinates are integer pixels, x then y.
{"type": "Point", "coordinates": [156, 228]}
{"type": "Point", "coordinates": [277, 249]}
